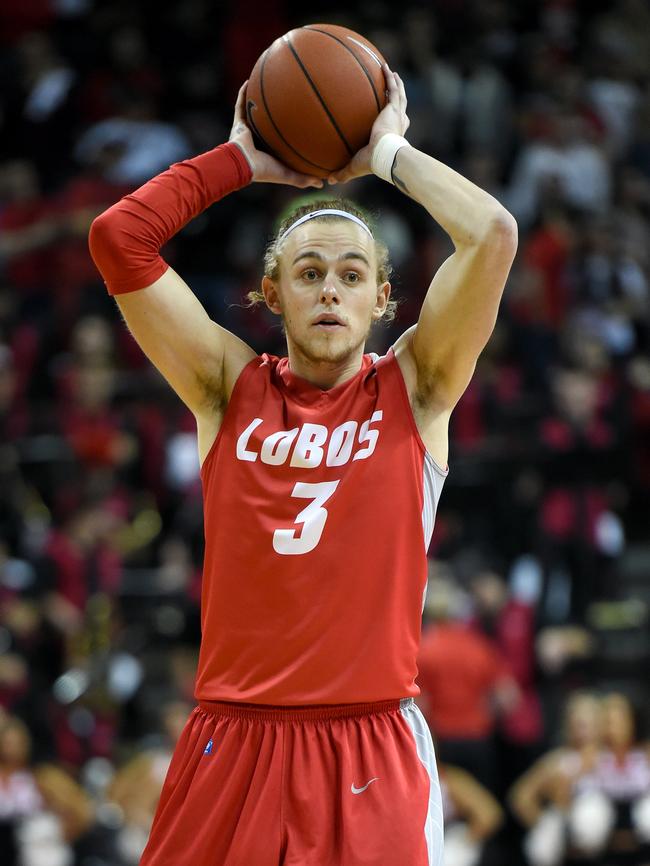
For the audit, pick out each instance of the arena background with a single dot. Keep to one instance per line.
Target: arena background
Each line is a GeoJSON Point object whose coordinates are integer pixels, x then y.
{"type": "Point", "coordinates": [541, 543]}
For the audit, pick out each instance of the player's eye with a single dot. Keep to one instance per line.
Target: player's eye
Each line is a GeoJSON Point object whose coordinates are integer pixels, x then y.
{"type": "Point", "coordinates": [351, 277]}
{"type": "Point", "coordinates": [311, 274]}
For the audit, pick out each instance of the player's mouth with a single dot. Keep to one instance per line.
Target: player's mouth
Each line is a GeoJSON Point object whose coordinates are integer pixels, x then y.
{"type": "Point", "coordinates": [328, 322]}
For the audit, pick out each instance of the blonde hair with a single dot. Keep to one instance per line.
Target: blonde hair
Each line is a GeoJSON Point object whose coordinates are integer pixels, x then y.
{"type": "Point", "coordinates": [274, 247]}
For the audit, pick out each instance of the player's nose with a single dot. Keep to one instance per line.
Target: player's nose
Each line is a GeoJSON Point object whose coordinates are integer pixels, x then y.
{"type": "Point", "coordinates": [328, 290]}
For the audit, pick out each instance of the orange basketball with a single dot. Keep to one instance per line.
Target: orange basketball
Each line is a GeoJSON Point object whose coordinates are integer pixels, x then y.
{"type": "Point", "coordinates": [313, 96]}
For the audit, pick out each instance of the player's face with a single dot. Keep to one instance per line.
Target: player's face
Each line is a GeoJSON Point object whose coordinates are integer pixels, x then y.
{"type": "Point", "coordinates": [327, 291]}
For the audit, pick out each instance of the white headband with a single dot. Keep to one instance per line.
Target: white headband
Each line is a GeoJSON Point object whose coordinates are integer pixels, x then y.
{"type": "Point", "coordinates": [324, 212]}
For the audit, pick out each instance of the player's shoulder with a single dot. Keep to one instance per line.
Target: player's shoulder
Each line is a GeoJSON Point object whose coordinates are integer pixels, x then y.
{"type": "Point", "coordinates": [380, 363]}
{"type": "Point", "coordinates": [245, 362]}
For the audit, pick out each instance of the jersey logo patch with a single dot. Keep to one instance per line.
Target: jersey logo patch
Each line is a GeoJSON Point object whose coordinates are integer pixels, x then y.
{"type": "Point", "coordinates": [208, 748]}
{"type": "Point", "coordinates": [356, 790]}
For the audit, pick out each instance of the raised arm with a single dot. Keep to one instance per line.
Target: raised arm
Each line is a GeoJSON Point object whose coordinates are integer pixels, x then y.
{"type": "Point", "coordinates": [460, 308]}
{"type": "Point", "coordinates": [162, 313]}
{"type": "Point", "coordinates": [199, 359]}
{"type": "Point", "coordinates": [461, 304]}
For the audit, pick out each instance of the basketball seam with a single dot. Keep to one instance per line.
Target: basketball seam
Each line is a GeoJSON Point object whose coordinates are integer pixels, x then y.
{"type": "Point", "coordinates": [320, 98]}
{"type": "Point", "coordinates": [249, 113]}
{"type": "Point", "coordinates": [275, 126]}
{"type": "Point", "coordinates": [358, 59]}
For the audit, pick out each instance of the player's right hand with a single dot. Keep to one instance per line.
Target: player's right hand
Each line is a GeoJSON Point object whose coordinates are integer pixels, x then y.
{"type": "Point", "coordinates": [392, 118]}
{"type": "Point", "coordinates": [265, 168]}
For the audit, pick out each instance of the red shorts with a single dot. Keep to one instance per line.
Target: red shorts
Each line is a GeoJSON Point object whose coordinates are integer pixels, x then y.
{"type": "Point", "coordinates": [351, 785]}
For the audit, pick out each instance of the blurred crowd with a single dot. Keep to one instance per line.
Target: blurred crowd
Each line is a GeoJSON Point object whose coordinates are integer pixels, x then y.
{"type": "Point", "coordinates": [536, 631]}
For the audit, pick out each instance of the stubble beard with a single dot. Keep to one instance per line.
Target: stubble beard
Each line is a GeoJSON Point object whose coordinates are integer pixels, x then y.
{"type": "Point", "coordinates": [323, 350]}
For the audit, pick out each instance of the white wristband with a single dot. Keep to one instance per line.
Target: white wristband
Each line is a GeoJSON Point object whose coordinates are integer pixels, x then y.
{"type": "Point", "coordinates": [383, 156]}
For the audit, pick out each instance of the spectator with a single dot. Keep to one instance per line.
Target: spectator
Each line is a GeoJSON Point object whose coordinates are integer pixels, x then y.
{"type": "Point", "coordinates": [146, 144]}
{"type": "Point", "coordinates": [563, 166]}
{"type": "Point", "coordinates": [20, 798]}
{"type": "Point", "coordinates": [509, 620]}
{"type": "Point", "coordinates": [137, 785]}
{"type": "Point", "coordinates": [471, 814]}
{"type": "Point", "coordinates": [465, 684]}
{"type": "Point", "coordinates": [28, 228]}
{"type": "Point", "coordinates": [83, 836]}
{"type": "Point", "coordinates": [542, 796]}
{"type": "Point", "coordinates": [622, 795]}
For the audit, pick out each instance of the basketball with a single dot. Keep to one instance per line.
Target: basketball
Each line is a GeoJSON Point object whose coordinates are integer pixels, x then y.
{"type": "Point", "coordinates": [313, 97]}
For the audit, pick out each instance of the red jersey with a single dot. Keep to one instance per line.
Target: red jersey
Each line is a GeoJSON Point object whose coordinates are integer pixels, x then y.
{"type": "Point", "coordinates": [319, 508]}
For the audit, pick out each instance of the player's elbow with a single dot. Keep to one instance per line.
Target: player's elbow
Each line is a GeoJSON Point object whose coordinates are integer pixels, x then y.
{"type": "Point", "coordinates": [500, 230]}
{"type": "Point", "coordinates": [102, 231]}
{"type": "Point", "coordinates": [104, 239]}
{"type": "Point", "coordinates": [98, 233]}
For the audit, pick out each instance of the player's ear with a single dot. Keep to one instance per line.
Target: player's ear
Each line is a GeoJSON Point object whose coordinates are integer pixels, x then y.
{"type": "Point", "coordinates": [271, 296]}
{"type": "Point", "coordinates": [381, 302]}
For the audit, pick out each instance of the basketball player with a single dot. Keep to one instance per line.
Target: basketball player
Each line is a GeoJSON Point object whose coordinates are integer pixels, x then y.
{"type": "Point", "coordinates": [321, 475]}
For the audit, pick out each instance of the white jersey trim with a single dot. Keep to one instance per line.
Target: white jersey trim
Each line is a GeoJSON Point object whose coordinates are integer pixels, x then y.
{"type": "Point", "coordinates": [433, 478]}
{"type": "Point", "coordinates": [432, 482]}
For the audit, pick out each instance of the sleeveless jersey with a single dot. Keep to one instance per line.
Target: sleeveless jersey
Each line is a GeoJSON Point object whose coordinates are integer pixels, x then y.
{"type": "Point", "coordinates": [319, 509]}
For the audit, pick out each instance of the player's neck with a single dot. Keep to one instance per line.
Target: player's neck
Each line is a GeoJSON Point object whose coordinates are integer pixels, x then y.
{"type": "Point", "coordinates": [324, 374]}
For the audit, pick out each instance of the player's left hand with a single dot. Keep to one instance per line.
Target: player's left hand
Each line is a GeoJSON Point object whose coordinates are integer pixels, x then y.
{"type": "Point", "coordinates": [392, 118]}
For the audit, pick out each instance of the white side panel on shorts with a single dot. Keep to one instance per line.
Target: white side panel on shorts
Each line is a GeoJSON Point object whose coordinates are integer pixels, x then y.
{"type": "Point", "coordinates": [433, 827]}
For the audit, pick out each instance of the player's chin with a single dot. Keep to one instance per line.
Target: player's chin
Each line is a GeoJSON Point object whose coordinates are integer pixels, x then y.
{"type": "Point", "coordinates": [336, 351]}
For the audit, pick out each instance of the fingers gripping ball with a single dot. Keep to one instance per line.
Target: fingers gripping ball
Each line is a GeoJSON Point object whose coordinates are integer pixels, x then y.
{"type": "Point", "coordinates": [313, 97]}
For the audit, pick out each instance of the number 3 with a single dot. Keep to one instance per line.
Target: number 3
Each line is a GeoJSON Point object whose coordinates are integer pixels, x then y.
{"type": "Point", "coordinates": [313, 518]}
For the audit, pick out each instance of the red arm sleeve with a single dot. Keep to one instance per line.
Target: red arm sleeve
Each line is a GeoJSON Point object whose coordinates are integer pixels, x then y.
{"type": "Point", "coordinates": [125, 240]}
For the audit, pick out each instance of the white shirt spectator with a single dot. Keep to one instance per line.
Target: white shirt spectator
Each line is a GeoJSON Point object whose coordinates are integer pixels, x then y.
{"type": "Point", "coordinates": [19, 796]}
{"type": "Point", "coordinates": [579, 169]}
{"type": "Point", "coordinates": [149, 146]}
{"type": "Point", "coordinates": [616, 103]}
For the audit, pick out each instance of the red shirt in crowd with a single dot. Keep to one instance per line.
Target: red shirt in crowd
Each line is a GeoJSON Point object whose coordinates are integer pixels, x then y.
{"type": "Point", "coordinates": [458, 670]}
